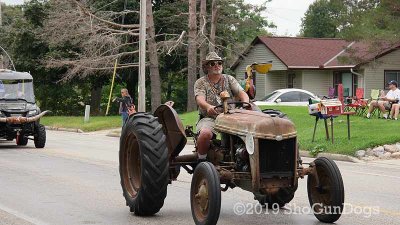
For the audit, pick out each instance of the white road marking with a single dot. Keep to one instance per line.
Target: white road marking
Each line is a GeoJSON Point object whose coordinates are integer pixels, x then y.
{"type": "Point", "coordinates": [22, 216]}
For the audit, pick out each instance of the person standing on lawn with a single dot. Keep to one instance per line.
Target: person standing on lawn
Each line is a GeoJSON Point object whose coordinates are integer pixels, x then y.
{"type": "Point", "coordinates": [384, 103]}
{"type": "Point", "coordinates": [126, 106]}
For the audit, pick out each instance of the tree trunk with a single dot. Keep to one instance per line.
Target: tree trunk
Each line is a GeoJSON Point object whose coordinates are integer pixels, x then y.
{"type": "Point", "coordinates": [214, 18]}
{"type": "Point", "coordinates": [153, 57]}
{"type": "Point", "coordinates": [95, 99]}
{"type": "Point", "coordinates": [192, 56]}
{"type": "Point", "coordinates": [203, 33]}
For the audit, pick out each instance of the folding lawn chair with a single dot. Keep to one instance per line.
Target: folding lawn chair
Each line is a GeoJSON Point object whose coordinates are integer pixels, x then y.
{"type": "Point", "coordinates": [359, 104]}
{"type": "Point", "coordinates": [374, 96]}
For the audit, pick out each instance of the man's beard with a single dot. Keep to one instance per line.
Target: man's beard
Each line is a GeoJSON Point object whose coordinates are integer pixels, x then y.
{"type": "Point", "coordinates": [216, 71]}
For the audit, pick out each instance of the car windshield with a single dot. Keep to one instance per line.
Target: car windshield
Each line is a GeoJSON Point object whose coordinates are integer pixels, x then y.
{"type": "Point", "coordinates": [270, 96]}
{"type": "Point", "coordinates": [17, 90]}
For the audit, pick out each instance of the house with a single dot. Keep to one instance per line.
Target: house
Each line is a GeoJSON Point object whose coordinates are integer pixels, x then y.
{"type": "Point", "coordinates": [316, 64]}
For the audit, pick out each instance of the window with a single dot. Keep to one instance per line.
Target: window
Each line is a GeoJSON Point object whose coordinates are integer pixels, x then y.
{"type": "Point", "coordinates": [304, 97]}
{"type": "Point", "coordinates": [293, 96]}
{"type": "Point", "coordinates": [270, 96]}
{"type": "Point", "coordinates": [290, 81]}
{"type": "Point", "coordinates": [391, 75]}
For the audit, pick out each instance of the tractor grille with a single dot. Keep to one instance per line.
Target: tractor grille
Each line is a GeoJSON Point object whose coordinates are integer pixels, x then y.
{"type": "Point", "coordinates": [277, 158]}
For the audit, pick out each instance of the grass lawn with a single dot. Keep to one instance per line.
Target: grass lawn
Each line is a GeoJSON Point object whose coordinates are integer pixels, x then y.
{"type": "Point", "coordinates": [95, 123]}
{"type": "Point", "coordinates": [364, 133]}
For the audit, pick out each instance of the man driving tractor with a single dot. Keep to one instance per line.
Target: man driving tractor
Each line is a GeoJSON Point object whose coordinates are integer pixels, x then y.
{"type": "Point", "coordinates": [207, 91]}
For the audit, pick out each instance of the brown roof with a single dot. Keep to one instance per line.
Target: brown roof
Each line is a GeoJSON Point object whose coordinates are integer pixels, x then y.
{"type": "Point", "coordinates": [304, 52]}
{"type": "Point", "coordinates": [298, 52]}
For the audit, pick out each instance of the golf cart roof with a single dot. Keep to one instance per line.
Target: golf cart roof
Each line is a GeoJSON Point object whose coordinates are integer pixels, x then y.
{"type": "Point", "coordinates": [14, 75]}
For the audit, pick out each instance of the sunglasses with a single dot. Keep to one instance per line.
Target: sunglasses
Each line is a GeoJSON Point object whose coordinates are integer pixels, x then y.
{"type": "Point", "coordinates": [219, 63]}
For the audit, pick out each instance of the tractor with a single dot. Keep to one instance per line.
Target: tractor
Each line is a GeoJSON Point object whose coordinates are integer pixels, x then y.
{"type": "Point", "coordinates": [257, 151]}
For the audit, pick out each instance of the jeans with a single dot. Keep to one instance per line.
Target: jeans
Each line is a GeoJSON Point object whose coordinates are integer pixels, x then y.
{"type": "Point", "coordinates": [124, 117]}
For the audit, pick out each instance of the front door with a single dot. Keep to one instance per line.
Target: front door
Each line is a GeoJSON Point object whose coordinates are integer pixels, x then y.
{"type": "Point", "coordinates": [347, 81]}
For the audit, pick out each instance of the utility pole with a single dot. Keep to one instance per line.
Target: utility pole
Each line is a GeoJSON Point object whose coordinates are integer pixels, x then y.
{"type": "Point", "coordinates": [142, 58]}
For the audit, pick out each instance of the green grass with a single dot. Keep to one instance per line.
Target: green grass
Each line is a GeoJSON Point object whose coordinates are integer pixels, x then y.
{"type": "Point", "coordinates": [364, 133]}
{"type": "Point", "coordinates": [95, 123]}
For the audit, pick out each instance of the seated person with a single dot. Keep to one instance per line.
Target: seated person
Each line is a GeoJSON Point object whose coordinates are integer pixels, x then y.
{"type": "Point", "coordinates": [384, 103]}
{"type": "Point", "coordinates": [207, 91]}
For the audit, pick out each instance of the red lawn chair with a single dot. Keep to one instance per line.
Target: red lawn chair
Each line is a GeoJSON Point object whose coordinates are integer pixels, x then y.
{"type": "Point", "coordinates": [359, 104]}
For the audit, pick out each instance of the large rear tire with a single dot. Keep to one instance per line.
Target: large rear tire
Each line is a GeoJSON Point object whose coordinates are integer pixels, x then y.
{"type": "Point", "coordinates": [40, 136]}
{"type": "Point", "coordinates": [143, 164]}
{"type": "Point", "coordinates": [327, 198]}
{"type": "Point", "coordinates": [205, 194]}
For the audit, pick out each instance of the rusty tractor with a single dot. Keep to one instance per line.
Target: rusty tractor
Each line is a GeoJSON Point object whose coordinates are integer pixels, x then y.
{"type": "Point", "coordinates": [257, 151]}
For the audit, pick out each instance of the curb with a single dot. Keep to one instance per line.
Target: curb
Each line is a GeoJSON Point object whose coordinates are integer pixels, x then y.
{"type": "Point", "coordinates": [64, 129]}
{"type": "Point", "coordinates": [114, 134]}
{"type": "Point", "coordinates": [337, 157]}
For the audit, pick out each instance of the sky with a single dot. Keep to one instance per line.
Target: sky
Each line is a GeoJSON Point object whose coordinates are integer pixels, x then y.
{"type": "Point", "coordinates": [286, 14]}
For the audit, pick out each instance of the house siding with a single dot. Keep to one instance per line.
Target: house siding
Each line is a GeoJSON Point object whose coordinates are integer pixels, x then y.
{"type": "Point", "coordinates": [374, 71]}
{"type": "Point", "coordinates": [317, 81]}
{"type": "Point", "coordinates": [264, 83]}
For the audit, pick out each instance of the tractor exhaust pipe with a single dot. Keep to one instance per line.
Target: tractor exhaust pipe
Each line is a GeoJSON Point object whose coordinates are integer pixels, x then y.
{"type": "Point", "coordinates": [21, 120]}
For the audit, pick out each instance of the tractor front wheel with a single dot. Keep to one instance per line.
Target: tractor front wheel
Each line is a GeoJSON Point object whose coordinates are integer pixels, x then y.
{"type": "Point", "coordinates": [205, 194]}
{"type": "Point", "coordinates": [325, 191]}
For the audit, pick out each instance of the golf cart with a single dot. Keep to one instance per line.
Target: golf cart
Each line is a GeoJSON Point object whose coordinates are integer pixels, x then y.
{"type": "Point", "coordinates": [257, 151]}
{"type": "Point", "coordinates": [19, 114]}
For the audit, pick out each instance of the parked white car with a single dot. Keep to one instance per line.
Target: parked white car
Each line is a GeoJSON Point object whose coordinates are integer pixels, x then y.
{"type": "Point", "coordinates": [289, 96]}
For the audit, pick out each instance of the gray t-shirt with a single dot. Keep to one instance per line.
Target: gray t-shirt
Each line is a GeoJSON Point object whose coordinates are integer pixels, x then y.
{"type": "Point", "coordinates": [204, 87]}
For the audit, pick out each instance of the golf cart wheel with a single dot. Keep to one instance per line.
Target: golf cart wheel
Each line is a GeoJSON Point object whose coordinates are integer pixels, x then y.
{"type": "Point", "coordinates": [279, 199]}
{"type": "Point", "coordinates": [205, 194]}
{"type": "Point", "coordinates": [21, 140]}
{"type": "Point", "coordinates": [143, 164]}
{"type": "Point", "coordinates": [40, 136]}
{"type": "Point", "coordinates": [327, 198]}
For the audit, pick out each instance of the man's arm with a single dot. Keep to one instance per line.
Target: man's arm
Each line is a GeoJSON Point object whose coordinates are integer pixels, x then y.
{"type": "Point", "coordinates": [202, 103]}
{"type": "Point", "coordinates": [243, 96]}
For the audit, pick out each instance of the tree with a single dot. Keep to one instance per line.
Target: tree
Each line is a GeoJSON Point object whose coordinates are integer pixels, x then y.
{"type": "Point", "coordinates": [192, 56]}
{"type": "Point", "coordinates": [202, 33]}
{"type": "Point", "coordinates": [320, 20]}
{"type": "Point", "coordinates": [153, 58]}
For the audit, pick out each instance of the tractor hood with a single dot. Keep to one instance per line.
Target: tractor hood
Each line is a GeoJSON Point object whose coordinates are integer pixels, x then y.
{"type": "Point", "coordinates": [259, 125]}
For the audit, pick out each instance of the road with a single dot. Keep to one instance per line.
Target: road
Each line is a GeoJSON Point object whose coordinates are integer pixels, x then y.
{"type": "Point", "coordinates": [75, 180]}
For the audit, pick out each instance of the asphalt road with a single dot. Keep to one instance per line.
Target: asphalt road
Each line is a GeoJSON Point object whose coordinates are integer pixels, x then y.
{"type": "Point", "coordinates": [75, 180]}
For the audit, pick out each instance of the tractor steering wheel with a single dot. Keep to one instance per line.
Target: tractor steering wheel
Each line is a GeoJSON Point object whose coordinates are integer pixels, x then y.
{"type": "Point", "coordinates": [238, 105]}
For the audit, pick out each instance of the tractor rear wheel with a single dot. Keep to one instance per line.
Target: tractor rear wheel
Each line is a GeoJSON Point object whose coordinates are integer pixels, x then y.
{"type": "Point", "coordinates": [143, 164]}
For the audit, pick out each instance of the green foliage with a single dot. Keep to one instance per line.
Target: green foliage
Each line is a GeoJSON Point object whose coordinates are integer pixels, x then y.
{"type": "Point", "coordinates": [377, 23]}
{"type": "Point", "coordinates": [24, 38]}
{"type": "Point", "coordinates": [321, 19]}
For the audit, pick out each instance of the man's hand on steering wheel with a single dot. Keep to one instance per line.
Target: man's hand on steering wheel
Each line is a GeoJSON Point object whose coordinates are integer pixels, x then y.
{"type": "Point", "coordinates": [211, 111]}
{"type": "Point", "coordinates": [244, 105]}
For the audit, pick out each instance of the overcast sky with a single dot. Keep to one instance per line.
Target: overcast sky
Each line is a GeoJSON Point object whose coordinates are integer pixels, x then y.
{"type": "Point", "coordinates": [286, 14]}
